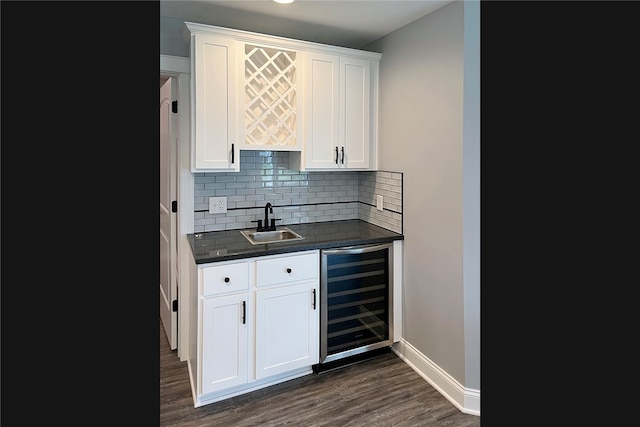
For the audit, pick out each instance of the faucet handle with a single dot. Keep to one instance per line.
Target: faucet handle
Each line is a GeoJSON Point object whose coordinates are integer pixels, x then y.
{"type": "Point", "coordinates": [259, 221]}
{"type": "Point", "coordinates": [273, 224]}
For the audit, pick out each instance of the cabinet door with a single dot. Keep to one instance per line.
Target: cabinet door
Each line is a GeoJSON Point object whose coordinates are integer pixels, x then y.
{"type": "Point", "coordinates": [322, 111]}
{"type": "Point", "coordinates": [286, 328]}
{"type": "Point", "coordinates": [214, 93]}
{"type": "Point", "coordinates": [224, 342]}
{"type": "Point", "coordinates": [355, 103]}
{"type": "Point", "coordinates": [337, 112]}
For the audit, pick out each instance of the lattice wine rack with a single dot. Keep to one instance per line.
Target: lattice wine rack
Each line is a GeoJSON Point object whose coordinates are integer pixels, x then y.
{"type": "Point", "coordinates": [270, 96]}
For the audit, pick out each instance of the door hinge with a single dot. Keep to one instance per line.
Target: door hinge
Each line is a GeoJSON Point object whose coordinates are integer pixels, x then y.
{"type": "Point", "coordinates": [175, 305]}
{"type": "Point", "coordinates": [174, 206]}
{"type": "Point", "coordinates": [174, 106]}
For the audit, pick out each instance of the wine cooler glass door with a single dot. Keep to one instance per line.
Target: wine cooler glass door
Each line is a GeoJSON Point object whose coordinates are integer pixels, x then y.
{"type": "Point", "coordinates": [356, 291]}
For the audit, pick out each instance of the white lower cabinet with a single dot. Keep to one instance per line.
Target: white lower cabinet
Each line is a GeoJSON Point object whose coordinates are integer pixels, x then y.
{"type": "Point", "coordinates": [258, 323]}
{"type": "Point", "coordinates": [224, 342]}
{"type": "Point", "coordinates": [286, 328]}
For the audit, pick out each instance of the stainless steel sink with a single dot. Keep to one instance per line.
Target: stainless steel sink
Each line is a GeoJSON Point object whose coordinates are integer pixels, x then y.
{"type": "Point", "coordinates": [262, 237]}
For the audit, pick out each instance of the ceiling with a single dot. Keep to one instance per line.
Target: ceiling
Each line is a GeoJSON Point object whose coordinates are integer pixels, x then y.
{"type": "Point", "coordinates": [341, 23]}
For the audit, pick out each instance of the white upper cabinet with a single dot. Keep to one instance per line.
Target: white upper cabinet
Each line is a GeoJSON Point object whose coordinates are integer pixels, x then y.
{"type": "Point", "coordinates": [213, 97]}
{"type": "Point", "coordinates": [338, 113]}
{"type": "Point", "coordinates": [256, 92]}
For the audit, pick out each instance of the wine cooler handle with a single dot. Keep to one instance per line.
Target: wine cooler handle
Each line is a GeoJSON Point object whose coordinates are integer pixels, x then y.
{"type": "Point", "coordinates": [357, 249]}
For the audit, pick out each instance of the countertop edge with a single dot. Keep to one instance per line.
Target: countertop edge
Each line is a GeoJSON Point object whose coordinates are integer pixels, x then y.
{"type": "Point", "coordinates": [298, 248]}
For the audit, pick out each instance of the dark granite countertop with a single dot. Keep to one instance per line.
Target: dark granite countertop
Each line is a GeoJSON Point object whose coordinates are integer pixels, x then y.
{"type": "Point", "coordinates": [213, 246]}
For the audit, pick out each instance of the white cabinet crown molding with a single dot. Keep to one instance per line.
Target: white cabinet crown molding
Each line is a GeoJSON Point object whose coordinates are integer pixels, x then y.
{"type": "Point", "coordinates": [280, 42]}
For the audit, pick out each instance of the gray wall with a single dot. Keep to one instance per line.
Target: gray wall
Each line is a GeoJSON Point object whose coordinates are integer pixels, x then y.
{"type": "Point", "coordinates": [173, 40]}
{"type": "Point", "coordinates": [429, 131]}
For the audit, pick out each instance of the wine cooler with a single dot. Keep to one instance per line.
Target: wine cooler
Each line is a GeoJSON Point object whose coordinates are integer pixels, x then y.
{"type": "Point", "coordinates": [356, 304]}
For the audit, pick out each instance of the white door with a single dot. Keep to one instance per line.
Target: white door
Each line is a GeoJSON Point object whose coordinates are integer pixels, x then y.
{"type": "Point", "coordinates": [168, 222]}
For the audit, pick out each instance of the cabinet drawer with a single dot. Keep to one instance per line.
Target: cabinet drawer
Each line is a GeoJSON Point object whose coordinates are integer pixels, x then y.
{"type": "Point", "coordinates": [293, 268]}
{"type": "Point", "coordinates": [225, 278]}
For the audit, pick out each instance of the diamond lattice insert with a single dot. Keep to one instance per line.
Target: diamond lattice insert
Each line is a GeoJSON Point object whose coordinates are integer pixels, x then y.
{"type": "Point", "coordinates": [270, 96]}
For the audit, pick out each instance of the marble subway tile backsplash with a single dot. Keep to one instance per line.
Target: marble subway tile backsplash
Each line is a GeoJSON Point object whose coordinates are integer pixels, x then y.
{"type": "Point", "coordinates": [297, 196]}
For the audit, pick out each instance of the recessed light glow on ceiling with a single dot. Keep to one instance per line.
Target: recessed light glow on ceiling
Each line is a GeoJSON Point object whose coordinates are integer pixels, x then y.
{"type": "Point", "coordinates": [283, 1]}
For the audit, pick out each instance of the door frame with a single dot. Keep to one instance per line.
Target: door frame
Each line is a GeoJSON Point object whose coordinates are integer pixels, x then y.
{"type": "Point", "coordinates": [179, 69]}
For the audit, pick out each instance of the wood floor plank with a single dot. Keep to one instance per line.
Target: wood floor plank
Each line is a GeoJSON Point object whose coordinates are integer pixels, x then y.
{"type": "Point", "coordinates": [380, 392]}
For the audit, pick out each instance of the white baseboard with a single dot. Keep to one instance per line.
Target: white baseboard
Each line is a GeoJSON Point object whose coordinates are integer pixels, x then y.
{"type": "Point", "coordinates": [465, 399]}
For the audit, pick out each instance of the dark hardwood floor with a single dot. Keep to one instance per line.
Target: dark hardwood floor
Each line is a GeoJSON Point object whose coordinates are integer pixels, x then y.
{"type": "Point", "coordinates": [382, 391]}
